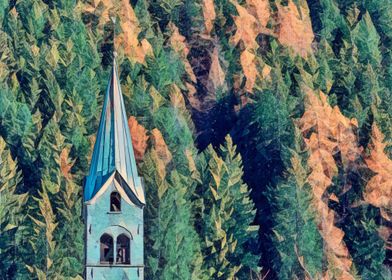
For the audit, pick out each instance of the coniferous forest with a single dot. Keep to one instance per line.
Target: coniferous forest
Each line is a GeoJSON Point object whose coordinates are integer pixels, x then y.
{"type": "Point", "coordinates": [262, 129]}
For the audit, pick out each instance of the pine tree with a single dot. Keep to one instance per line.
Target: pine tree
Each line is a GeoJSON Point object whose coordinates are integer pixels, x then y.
{"type": "Point", "coordinates": [261, 132]}
{"type": "Point", "coordinates": [164, 112]}
{"type": "Point", "coordinates": [367, 40]}
{"type": "Point", "coordinates": [171, 241]}
{"type": "Point", "coordinates": [153, 93]}
{"type": "Point", "coordinates": [358, 87]}
{"type": "Point", "coordinates": [11, 214]}
{"type": "Point", "coordinates": [381, 14]}
{"type": "Point", "coordinates": [364, 242]}
{"type": "Point", "coordinates": [377, 190]}
{"type": "Point", "coordinates": [226, 218]}
{"type": "Point", "coordinates": [69, 234]}
{"type": "Point", "coordinates": [327, 21]}
{"type": "Point", "coordinates": [355, 66]}
{"type": "Point", "coordinates": [53, 100]}
{"type": "Point", "coordinates": [42, 241]}
{"type": "Point", "coordinates": [65, 201]}
{"type": "Point", "coordinates": [296, 237]}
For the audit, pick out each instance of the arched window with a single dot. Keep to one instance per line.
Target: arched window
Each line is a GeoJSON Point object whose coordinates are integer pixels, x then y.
{"type": "Point", "coordinates": [115, 202]}
{"type": "Point", "coordinates": [106, 248]}
{"type": "Point", "coordinates": [123, 249]}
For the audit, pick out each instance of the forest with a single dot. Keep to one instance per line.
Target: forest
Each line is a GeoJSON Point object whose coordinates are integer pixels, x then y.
{"type": "Point", "coordinates": [262, 129]}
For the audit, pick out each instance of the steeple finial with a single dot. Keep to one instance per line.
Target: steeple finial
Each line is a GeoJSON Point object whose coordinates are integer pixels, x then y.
{"type": "Point", "coordinates": [113, 18]}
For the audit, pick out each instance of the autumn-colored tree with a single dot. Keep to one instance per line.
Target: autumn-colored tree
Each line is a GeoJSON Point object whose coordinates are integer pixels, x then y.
{"type": "Point", "coordinates": [326, 129]}
{"type": "Point", "coordinates": [378, 189]}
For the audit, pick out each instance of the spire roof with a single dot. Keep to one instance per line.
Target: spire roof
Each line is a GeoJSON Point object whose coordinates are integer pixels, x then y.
{"type": "Point", "coordinates": [113, 151]}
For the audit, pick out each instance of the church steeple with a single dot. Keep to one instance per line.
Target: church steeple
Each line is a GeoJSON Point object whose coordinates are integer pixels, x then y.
{"type": "Point", "coordinates": [113, 151]}
{"type": "Point", "coordinates": [113, 197]}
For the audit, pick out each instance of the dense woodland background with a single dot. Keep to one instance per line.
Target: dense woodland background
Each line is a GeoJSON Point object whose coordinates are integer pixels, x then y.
{"type": "Point", "coordinates": [262, 129]}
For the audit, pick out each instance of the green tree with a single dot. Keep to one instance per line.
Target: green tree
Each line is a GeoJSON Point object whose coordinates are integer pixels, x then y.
{"type": "Point", "coordinates": [153, 94]}
{"type": "Point", "coordinates": [327, 21]}
{"type": "Point", "coordinates": [365, 244]}
{"type": "Point", "coordinates": [262, 130]}
{"type": "Point", "coordinates": [295, 233]}
{"type": "Point", "coordinates": [171, 241]}
{"type": "Point", "coordinates": [227, 215]}
{"type": "Point", "coordinates": [52, 101]}
{"type": "Point", "coordinates": [65, 201]}
{"type": "Point", "coordinates": [11, 214]}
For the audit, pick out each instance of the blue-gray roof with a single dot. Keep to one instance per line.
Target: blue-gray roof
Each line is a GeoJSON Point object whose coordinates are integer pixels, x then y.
{"type": "Point", "coordinates": [113, 151]}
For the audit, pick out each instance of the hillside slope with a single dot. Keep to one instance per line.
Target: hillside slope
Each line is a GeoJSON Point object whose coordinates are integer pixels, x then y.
{"type": "Point", "coordinates": [263, 129]}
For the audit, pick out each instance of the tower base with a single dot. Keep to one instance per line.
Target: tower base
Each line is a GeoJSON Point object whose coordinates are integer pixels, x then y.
{"type": "Point", "coordinates": [114, 272]}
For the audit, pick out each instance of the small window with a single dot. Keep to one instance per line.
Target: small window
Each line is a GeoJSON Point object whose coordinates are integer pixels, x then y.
{"type": "Point", "coordinates": [123, 249]}
{"type": "Point", "coordinates": [115, 202]}
{"type": "Point", "coordinates": [106, 248]}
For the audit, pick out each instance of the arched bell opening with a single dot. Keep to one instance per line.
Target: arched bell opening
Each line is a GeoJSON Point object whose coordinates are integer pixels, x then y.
{"type": "Point", "coordinates": [123, 249]}
{"type": "Point", "coordinates": [106, 249]}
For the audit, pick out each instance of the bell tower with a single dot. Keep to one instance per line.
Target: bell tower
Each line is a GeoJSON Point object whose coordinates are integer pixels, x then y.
{"type": "Point", "coordinates": [113, 197]}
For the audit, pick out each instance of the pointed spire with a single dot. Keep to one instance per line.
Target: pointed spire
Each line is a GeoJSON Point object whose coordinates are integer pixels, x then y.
{"type": "Point", "coordinates": [113, 151]}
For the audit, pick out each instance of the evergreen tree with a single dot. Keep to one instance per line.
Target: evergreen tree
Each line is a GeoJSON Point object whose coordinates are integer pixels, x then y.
{"type": "Point", "coordinates": [295, 233]}
{"type": "Point", "coordinates": [227, 215]}
{"type": "Point", "coordinates": [365, 244]}
{"type": "Point", "coordinates": [42, 241]}
{"type": "Point", "coordinates": [358, 86]}
{"type": "Point", "coordinates": [356, 91]}
{"type": "Point", "coordinates": [57, 93]}
{"type": "Point", "coordinates": [359, 223]}
{"type": "Point", "coordinates": [153, 93]}
{"type": "Point", "coordinates": [65, 201]}
{"type": "Point", "coordinates": [11, 215]}
{"type": "Point", "coordinates": [327, 22]}
{"type": "Point", "coordinates": [355, 66]}
{"type": "Point", "coordinates": [367, 41]}
{"type": "Point", "coordinates": [262, 130]}
{"type": "Point", "coordinates": [172, 242]}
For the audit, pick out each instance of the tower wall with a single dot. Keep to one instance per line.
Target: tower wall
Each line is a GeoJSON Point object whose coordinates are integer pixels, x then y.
{"type": "Point", "coordinates": [99, 220]}
{"type": "Point", "coordinates": [120, 273]}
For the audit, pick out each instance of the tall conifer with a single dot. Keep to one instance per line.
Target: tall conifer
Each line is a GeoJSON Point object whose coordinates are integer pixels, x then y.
{"type": "Point", "coordinates": [227, 216]}
{"type": "Point", "coordinates": [11, 215]}
{"type": "Point", "coordinates": [171, 242]}
{"type": "Point", "coordinates": [295, 234]}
